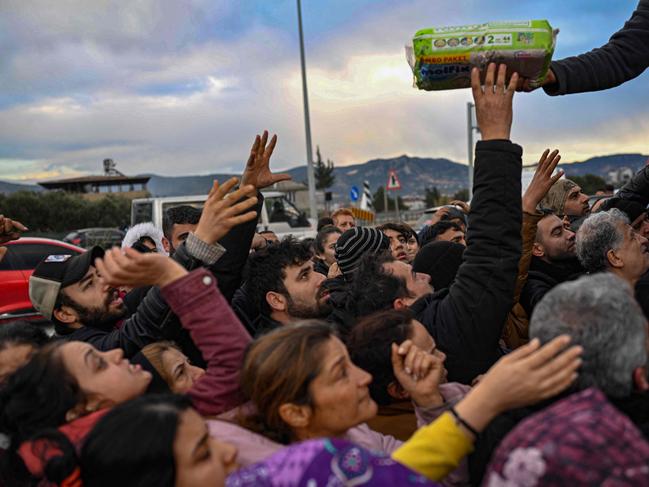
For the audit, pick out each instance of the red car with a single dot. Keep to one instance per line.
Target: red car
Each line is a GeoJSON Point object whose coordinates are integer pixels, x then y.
{"type": "Point", "coordinates": [22, 257]}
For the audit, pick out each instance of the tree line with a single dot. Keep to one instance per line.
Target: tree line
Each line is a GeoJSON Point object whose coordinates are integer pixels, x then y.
{"type": "Point", "coordinates": [57, 211]}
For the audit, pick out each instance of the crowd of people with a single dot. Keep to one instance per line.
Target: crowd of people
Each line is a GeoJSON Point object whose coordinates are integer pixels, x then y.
{"type": "Point", "coordinates": [505, 344]}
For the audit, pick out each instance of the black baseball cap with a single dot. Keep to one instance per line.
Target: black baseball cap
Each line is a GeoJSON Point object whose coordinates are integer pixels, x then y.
{"type": "Point", "coordinates": [56, 272]}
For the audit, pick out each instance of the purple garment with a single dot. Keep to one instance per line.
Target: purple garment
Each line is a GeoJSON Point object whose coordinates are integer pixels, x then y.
{"type": "Point", "coordinates": [580, 440]}
{"type": "Point", "coordinates": [326, 463]}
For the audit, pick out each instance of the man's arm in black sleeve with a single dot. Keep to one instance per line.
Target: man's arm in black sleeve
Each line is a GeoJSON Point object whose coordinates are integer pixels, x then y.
{"type": "Point", "coordinates": [229, 268]}
{"type": "Point", "coordinates": [624, 57]}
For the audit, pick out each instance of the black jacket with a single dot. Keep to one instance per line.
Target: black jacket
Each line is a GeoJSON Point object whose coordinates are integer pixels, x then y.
{"type": "Point", "coordinates": [543, 276]}
{"type": "Point", "coordinates": [625, 56]}
{"type": "Point", "coordinates": [466, 320]}
{"type": "Point", "coordinates": [154, 320]}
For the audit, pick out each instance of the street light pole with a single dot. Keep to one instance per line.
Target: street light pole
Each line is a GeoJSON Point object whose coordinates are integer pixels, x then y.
{"type": "Point", "coordinates": [470, 128]}
{"type": "Point", "coordinates": [307, 122]}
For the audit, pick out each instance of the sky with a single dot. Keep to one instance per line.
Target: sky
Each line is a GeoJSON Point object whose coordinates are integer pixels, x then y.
{"type": "Point", "coordinates": [181, 87]}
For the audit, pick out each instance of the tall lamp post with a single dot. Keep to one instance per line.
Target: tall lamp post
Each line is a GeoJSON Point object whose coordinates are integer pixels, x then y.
{"type": "Point", "coordinates": [307, 122]}
{"type": "Point", "coordinates": [470, 127]}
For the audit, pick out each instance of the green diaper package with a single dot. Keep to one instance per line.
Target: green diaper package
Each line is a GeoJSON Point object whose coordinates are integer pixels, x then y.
{"type": "Point", "coordinates": [441, 58]}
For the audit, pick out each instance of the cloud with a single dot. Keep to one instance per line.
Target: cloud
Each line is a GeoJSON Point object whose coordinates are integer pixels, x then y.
{"type": "Point", "coordinates": [170, 88]}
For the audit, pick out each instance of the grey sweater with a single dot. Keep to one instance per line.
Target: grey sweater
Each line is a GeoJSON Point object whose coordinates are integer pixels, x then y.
{"type": "Point", "coordinates": [625, 56]}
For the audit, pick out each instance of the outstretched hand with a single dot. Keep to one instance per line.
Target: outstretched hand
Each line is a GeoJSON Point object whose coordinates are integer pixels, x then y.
{"type": "Point", "coordinates": [527, 375]}
{"type": "Point", "coordinates": [222, 212]}
{"type": "Point", "coordinates": [257, 172]}
{"type": "Point", "coordinates": [542, 180]}
{"type": "Point", "coordinates": [524, 84]}
{"type": "Point", "coordinates": [493, 103]}
{"type": "Point", "coordinates": [420, 373]}
{"type": "Point", "coordinates": [130, 268]}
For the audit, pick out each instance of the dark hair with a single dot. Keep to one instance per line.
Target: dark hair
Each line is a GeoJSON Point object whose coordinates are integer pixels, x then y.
{"type": "Point", "coordinates": [324, 222]}
{"type": "Point", "coordinates": [431, 232]}
{"type": "Point", "coordinates": [323, 233]}
{"type": "Point", "coordinates": [375, 289]}
{"type": "Point", "coordinates": [279, 368]}
{"type": "Point", "coordinates": [179, 215]}
{"type": "Point", "coordinates": [266, 266]}
{"type": "Point", "coordinates": [395, 227]}
{"type": "Point", "coordinates": [370, 347]}
{"type": "Point", "coordinates": [140, 246]}
{"type": "Point", "coordinates": [22, 333]}
{"type": "Point", "coordinates": [34, 399]}
{"type": "Point", "coordinates": [133, 443]}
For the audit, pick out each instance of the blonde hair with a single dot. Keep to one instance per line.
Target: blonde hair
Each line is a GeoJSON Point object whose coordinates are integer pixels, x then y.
{"type": "Point", "coordinates": [341, 211]}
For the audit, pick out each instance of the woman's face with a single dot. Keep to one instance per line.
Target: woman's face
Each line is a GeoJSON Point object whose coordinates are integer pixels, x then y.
{"type": "Point", "coordinates": [330, 248]}
{"type": "Point", "coordinates": [199, 458]}
{"type": "Point", "coordinates": [106, 378]}
{"type": "Point", "coordinates": [181, 373]}
{"type": "Point", "coordinates": [341, 398]}
{"type": "Point", "coordinates": [412, 247]}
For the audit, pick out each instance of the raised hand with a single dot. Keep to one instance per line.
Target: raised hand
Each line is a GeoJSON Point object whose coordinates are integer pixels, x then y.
{"type": "Point", "coordinates": [130, 268]}
{"type": "Point", "coordinates": [10, 229]}
{"type": "Point", "coordinates": [419, 373]}
{"type": "Point", "coordinates": [528, 375]}
{"type": "Point", "coordinates": [438, 216]}
{"type": "Point", "coordinates": [542, 180]}
{"type": "Point", "coordinates": [257, 172]}
{"type": "Point", "coordinates": [493, 104]}
{"type": "Point", "coordinates": [223, 211]}
{"type": "Point", "coordinates": [462, 204]}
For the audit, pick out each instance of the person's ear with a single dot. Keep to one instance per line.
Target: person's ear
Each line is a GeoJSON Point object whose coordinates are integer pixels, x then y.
{"type": "Point", "coordinates": [537, 250]}
{"type": "Point", "coordinates": [166, 245]}
{"type": "Point", "coordinates": [614, 260]}
{"type": "Point", "coordinates": [395, 391]}
{"type": "Point", "coordinates": [276, 301]}
{"type": "Point", "coordinates": [295, 416]}
{"type": "Point", "coordinates": [640, 380]}
{"type": "Point", "coordinates": [400, 303]}
{"type": "Point", "coordinates": [65, 314]}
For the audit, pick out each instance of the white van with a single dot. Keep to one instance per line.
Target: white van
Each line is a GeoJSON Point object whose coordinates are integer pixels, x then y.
{"type": "Point", "coordinates": [283, 218]}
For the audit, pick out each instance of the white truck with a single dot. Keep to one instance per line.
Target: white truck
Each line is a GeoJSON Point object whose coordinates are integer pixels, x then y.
{"type": "Point", "coordinates": [278, 214]}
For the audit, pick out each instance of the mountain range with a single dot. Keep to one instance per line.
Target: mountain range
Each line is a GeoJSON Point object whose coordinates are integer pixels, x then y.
{"type": "Point", "coordinates": [415, 175]}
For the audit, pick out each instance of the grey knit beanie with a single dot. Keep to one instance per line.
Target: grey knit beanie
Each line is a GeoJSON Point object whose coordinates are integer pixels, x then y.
{"type": "Point", "coordinates": [356, 242]}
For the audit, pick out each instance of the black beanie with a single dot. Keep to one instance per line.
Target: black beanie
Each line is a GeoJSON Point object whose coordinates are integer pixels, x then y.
{"type": "Point", "coordinates": [356, 242]}
{"type": "Point", "coordinates": [632, 209]}
{"type": "Point", "coordinates": [441, 261]}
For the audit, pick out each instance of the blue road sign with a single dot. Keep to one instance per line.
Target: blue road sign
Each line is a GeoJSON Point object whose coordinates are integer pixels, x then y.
{"type": "Point", "coordinates": [354, 194]}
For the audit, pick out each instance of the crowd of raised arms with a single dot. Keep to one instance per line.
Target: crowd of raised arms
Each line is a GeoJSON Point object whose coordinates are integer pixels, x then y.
{"type": "Point", "coordinates": [505, 344]}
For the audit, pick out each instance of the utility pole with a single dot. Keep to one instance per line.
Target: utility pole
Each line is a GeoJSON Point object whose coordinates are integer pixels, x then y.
{"type": "Point", "coordinates": [470, 128]}
{"type": "Point", "coordinates": [307, 122]}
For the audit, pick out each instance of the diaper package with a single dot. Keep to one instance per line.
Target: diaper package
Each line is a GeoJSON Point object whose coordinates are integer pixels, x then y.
{"type": "Point", "coordinates": [441, 58]}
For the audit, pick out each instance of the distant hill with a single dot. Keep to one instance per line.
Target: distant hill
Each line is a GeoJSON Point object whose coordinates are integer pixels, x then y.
{"type": "Point", "coordinates": [8, 188]}
{"type": "Point", "coordinates": [415, 174]}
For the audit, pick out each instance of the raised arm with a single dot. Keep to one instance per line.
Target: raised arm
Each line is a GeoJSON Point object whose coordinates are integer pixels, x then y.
{"type": "Point", "coordinates": [471, 317]}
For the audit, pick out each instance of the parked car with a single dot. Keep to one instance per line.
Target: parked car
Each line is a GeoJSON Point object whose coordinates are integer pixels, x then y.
{"type": "Point", "coordinates": [89, 237]}
{"type": "Point", "coordinates": [22, 257]}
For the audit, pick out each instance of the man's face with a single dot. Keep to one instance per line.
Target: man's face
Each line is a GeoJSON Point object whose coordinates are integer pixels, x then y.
{"type": "Point", "coordinates": [417, 283]}
{"type": "Point", "coordinates": [641, 225]}
{"type": "Point", "coordinates": [96, 304]}
{"type": "Point", "coordinates": [344, 222]}
{"type": "Point", "coordinates": [576, 203]}
{"type": "Point", "coordinates": [633, 252]}
{"type": "Point", "coordinates": [179, 233]}
{"type": "Point", "coordinates": [452, 235]}
{"type": "Point", "coordinates": [412, 247]}
{"type": "Point", "coordinates": [554, 240]}
{"type": "Point", "coordinates": [397, 245]}
{"type": "Point", "coordinates": [306, 298]}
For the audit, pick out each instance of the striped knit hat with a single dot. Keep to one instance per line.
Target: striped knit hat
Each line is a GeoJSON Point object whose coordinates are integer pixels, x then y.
{"type": "Point", "coordinates": [356, 242]}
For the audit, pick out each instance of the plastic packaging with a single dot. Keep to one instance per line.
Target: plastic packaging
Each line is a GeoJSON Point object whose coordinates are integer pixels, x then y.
{"type": "Point", "coordinates": [441, 58]}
